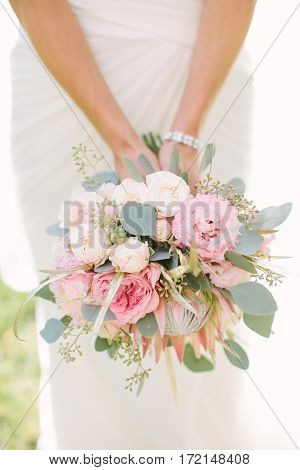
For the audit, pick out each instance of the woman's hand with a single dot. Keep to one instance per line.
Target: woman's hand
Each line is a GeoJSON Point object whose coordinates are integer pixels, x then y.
{"type": "Point", "coordinates": [132, 151]}
{"type": "Point", "coordinates": [188, 160]}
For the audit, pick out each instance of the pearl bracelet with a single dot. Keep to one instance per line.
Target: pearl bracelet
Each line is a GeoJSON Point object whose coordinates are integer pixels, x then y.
{"type": "Point", "coordinates": [182, 138]}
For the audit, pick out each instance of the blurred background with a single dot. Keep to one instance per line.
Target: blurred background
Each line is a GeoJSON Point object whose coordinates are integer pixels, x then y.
{"type": "Point", "coordinates": [275, 179]}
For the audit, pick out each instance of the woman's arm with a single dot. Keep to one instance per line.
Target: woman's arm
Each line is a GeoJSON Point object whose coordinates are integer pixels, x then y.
{"type": "Point", "coordinates": [60, 42]}
{"type": "Point", "coordinates": [222, 30]}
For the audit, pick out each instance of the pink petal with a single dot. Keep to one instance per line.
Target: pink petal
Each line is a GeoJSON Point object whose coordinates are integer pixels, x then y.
{"type": "Point", "coordinates": [157, 347]}
{"type": "Point", "coordinates": [179, 345]}
{"type": "Point", "coordinates": [160, 315]}
{"type": "Point", "coordinates": [146, 342]}
{"type": "Point", "coordinates": [177, 311]}
{"type": "Point", "coordinates": [195, 340]}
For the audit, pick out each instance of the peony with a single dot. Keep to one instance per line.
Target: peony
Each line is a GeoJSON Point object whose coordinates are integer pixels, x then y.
{"type": "Point", "coordinates": [130, 190]}
{"type": "Point", "coordinates": [166, 190]}
{"type": "Point", "coordinates": [89, 244]}
{"type": "Point", "coordinates": [135, 297]}
{"type": "Point", "coordinates": [64, 258]}
{"type": "Point", "coordinates": [163, 229]}
{"type": "Point", "coordinates": [208, 222]}
{"type": "Point", "coordinates": [131, 256]}
{"type": "Point", "coordinates": [225, 275]}
{"type": "Point", "coordinates": [70, 291]}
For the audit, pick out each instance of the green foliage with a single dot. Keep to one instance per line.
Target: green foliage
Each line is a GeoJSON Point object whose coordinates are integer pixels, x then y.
{"type": "Point", "coordinates": [193, 363]}
{"type": "Point", "coordinates": [56, 231]}
{"type": "Point", "coordinates": [253, 298]}
{"type": "Point", "coordinates": [101, 344]}
{"type": "Point", "coordinates": [207, 157]}
{"type": "Point", "coordinates": [45, 293]}
{"type": "Point", "coordinates": [238, 184]}
{"type": "Point", "coordinates": [174, 164]}
{"type": "Point", "coordinates": [145, 163]}
{"type": "Point", "coordinates": [235, 354]}
{"type": "Point", "coordinates": [260, 324]}
{"type": "Point", "coordinates": [19, 372]}
{"type": "Point", "coordinates": [271, 217]}
{"type": "Point", "coordinates": [147, 326]}
{"type": "Point", "coordinates": [153, 141]}
{"type": "Point", "coordinates": [249, 241]}
{"type": "Point", "coordinates": [52, 330]}
{"type": "Point", "coordinates": [184, 175]}
{"type": "Point", "coordinates": [239, 261]}
{"type": "Point", "coordinates": [138, 219]}
{"type": "Point", "coordinates": [132, 170]}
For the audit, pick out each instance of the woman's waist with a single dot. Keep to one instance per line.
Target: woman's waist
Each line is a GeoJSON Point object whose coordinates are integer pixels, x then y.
{"type": "Point", "coordinates": [174, 20]}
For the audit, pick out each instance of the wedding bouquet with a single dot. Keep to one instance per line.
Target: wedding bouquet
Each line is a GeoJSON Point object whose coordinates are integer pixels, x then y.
{"type": "Point", "coordinates": [143, 265]}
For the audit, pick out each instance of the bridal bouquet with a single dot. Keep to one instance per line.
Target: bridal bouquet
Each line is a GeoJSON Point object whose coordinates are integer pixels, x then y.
{"type": "Point", "coordinates": [143, 265]}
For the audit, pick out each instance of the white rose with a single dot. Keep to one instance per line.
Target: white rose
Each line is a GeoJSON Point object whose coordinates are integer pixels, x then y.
{"type": "Point", "coordinates": [165, 191]}
{"type": "Point", "coordinates": [89, 244]}
{"type": "Point", "coordinates": [130, 190]}
{"type": "Point", "coordinates": [79, 209]}
{"type": "Point", "coordinates": [163, 230]}
{"type": "Point", "coordinates": [130, 257]}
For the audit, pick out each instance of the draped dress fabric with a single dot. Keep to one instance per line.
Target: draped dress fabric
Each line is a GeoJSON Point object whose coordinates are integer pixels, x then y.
{"type": "Point", "coordinates": [144, 49]}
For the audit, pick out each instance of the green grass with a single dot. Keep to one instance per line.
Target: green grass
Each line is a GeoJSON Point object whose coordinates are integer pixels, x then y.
{"type": "Point", "coordinates": [19, 372]}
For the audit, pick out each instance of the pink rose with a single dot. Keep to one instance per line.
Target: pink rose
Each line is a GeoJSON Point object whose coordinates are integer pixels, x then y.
{"type": "Point", "coordinates": [135, 297]}
{"type": "Point", "coordinates": [225, 275]}
{"type": "Point", "coordinates": [210, 223]}
{"type": "Point", "coordinates": [70, 292]}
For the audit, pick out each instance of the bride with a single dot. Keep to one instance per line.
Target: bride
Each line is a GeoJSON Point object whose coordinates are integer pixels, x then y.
{"type": "Point", "coordinates": [101, 73]}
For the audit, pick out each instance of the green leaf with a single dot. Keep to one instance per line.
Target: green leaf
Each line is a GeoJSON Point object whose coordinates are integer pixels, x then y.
{"type": "Point", "coordinates": [193, 363]}
{"type": "Point", "coordinates": [132, 169]}
{"type": "Point", "coordinates": [253, 298]}
{"type": "Point", "coordinates": [107, 266]}
{"type": "Point", "coordinates": [226, 294]}
{"type": "Point", "coordinates": [66, 320]}
{"type": "Point", "coordinates": [204, 283]}
{"type": "Point", "coordinates": [174, 160]}
{"type": "Point", "coordinates": [239, 261]}
{"type": "Point", "coordinates": [90, 312]}
{"type": "Point", "coordinates": [184, 175]}
{"type": "Point", "coordinates": [98, 179]}
{"type": "Point", "coordinates": [140, 387]}
{"type": "Point", "coordinates": [249, 242]}
{"type": "Point", "coordinates": [192, 281]}
{"type": "Point", "coordinates": [207, 157]}
{"type": "Point", "coordinates": [260, 324]}
{"type": "Point", "coordinates": [238, 184]}
{"type": "Point", "coordinates": [271, 217]}
{"type": "Point", "coordinates": [45, 293]}
{"type": "Point", "coordinates": [147, 326]}
{"type": "Point", "coordinates": [237, 357]}
{"type": "Point", "coordinates": [145, 163]}
{"type": "Point", "coordinates": [52, 330]}
{"type": "Point", "coordinates": [112, 349]}
{"type": "Point", "coordinates": [101, 344]}
{"type": "Point", "coordinates": [160, 255]}
{"type": "Point", "coordinates": [56, 231]}
{"type": "Point", "coordinates": [138, 219]}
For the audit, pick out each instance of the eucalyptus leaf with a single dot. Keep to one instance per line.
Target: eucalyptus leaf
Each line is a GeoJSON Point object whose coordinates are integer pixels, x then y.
{"type": "Point", "coordinates": [238, 184]}
{"type": "Point", "coordinates": [239, 261]}
{"type": "Point", "coordinates": [90, 312]}
{"type": "Point", "coordinates": [160, 255]}
{"type": "Point", "coordinates": [173, 261]}
{"type": "Point", "coordinates": [207, 157]}
{"type": "Point", "coordinates": [140, 387]}
{"type": "Point", "coordinates": [145, 163]}
{"type": "Point", "coordinates": [107, 266]}
{"type": "Point", "coordinates": [98, 179]}
{"type": "Point", "coordinates": [101, 344]}
{"type": "Point", "coordinates": [271, 217]}
{"type": "Point", "coordinates": [132, 169]}
{"type": "Point", "coordinates": [112, 349]}
{"type": "Point", "coordinates": [174, 160]}
{"type": "Point", "coordinates": [249, 241]}
{"type": "Point", "coordinates": [52, 330]}
{"type": "Point", "coordinates": [260, 324]}
{"type": "Point", "coordinates": [192, 281]}
{"type": "Point", "coordinates": [138, 219]}
{"type": "Point", "coordinates": [45, 293]}
{"type": "Point", "coordinates": [253, 298]}
{"type": "Point", "coordinates": [184, 175]}
{"type": "Point", "coordinates": [238, 356]}
{"type": "Point", "coordinates": [66, 320]}
{"type": "Point", "coordinates": [193, 363]}
{"type": "Point", "coordinates": [56, 231]}
{"type": "Point", "coordinates": [204, 283]}
{"type": "Point", "coordinates": [147, 326]}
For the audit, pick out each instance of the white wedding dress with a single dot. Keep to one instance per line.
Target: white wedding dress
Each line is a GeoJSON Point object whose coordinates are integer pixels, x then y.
{"type": "Point", "coordinates": [144, 50]}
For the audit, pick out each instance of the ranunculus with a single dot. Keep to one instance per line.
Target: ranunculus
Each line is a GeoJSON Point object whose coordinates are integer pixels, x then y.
{"type": "Point", "coordinates": [135, 297]}
{"type": "Point", "coordinates": [225, 275]}
{"type": "Point", "coordinates": [166, 190]}
{"type": "Point", "coordinates": [63, 257]}
{"type": "Point", "coordinates": [89, 244]}
{"type": "Point", "coordinates": [70, 292]}
{"type": "Point", "coordinates": [208, 222]}
{"type": "Point", "coordinates": [129, 257]}
{"type": "Point", "coordinates": [130, 190]}
{"type": "Point", "coordinates": [163, 229]}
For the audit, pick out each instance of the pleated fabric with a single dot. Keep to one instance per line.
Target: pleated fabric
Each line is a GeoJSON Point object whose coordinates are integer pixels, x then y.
{"type": "Point", "coordinates": [144, 50]}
